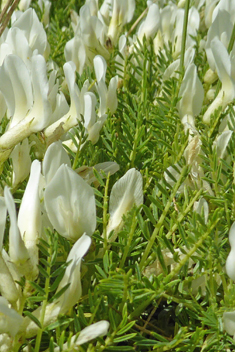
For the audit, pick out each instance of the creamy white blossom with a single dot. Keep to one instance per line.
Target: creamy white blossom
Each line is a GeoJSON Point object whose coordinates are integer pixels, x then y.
{"type": "Point", "coordinates": [126, 192]}
{"type": "Point", "coordinates": [70, 204]}
{"type": "Point", "coordinates": [10, 320]}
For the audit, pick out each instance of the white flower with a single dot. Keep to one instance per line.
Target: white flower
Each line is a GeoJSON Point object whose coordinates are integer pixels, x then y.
{"type": "Point", "coordinates": [29, 217]}
{"type": "Point", "coordinates": [72, 275]}
{"type": "Point", "coordinates": [87, 173]}
{"type": "Point", "coordinates": [8, 287]}
{"type": "Point", "coordinates": [192, 95]}
{"type": "Point", "coordinates": [70, 204]}
{"type": "Point", "coordinates": [10, 320]}
{"type": "Point", "coordinates": [70, 119]}
{"type": "Point", "coordinates": [17, 250]}
{"type": "Point", "coordinates": [193, 25]}
{"type": "Point", "coordinates": [229, 323]}
{"type": "Point", "coordinates": [151, 24]}
{"type": "Point", "coordinates": [222, 29]}
{"type": "Point", "coordinates": [126, 192]}
{"type": "Point", "coordinates": [89, 333]}
{"type": "Point", "coordinates": [33, 29]}
{"type": "Point", "coordinates": [122, 13]}
{"type": "Point", "coordinates": [226, 5]}
{"type": "Point", "coordinates": [3, 213]}
{"type": "Point", "coordinates": [45, 6]}
{"type": "Point", "coordinates": [21, 162]}
{"type": "Point", "coordinates": [224, 66]}
{"type": "Point", "coordinates": [75, 51]}
{"type": "Point", "coordinates": [201, 207]}
{"type": "Point", "coordinates": [195, 177]}
{"type": "Point", "coordinates": [54, 157]}
{"type": "Point", "coordinates": [108, 96]}
{"type": "Point", "coordinates": [26, 95]}
{"type": "Point", "coordinates": [24, 4]}
{"type": "Point", "coordinates": [221, 143]}
{"type": "Point", "coordinates": [5, 343]}
{"type": "Point", "coordinates": [230, 262]}
{"type": "Point", "coordinates": [70, 297]}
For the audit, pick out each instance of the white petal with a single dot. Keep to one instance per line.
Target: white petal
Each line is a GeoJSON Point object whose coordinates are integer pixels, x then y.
{"type": "Point", "coordinates": [102, 91]}
{"type": "Point", "coordinates": [72, 274]}
{"type": "Point", "coordinates": [222, 60]}
{"type": "Point", "coordinates": [18, 252]}
{"type": "Point", "coordinates": [222, 143]}
{"type": "Point", "coordinates": [89, 110]}
{"type": "Point", "coordinates": [151, 24]}
{"type": "Point", "coordinates": [192, 93]}
{"type": "Point", "coordinates": [229, 322]}
{"type": "Point", "coordinates": [8, 287]}
{"type": "Point", "coordinates": [33, 29]}
{"type": "Point", "coordinates": [100, 67]}
{"type": "Point", "coordinates": [10, 320]}
{"type": "Point", "coordinates": [112, 102]}
{"type": "Point", "coordinates": [19, 45]}
{"type": "Point", "coordinates": [93, 133]}
{"type": "Point", "coordinates": [125, 193]}
{"type": "Point", "coordinates": [75, 51]}
{"type": "Point", "coordinates": [3, 213]}
{"type": "Point", "coordinates": [202, 205]}
{"type": "Point", "coordinates": [70, 204]}
{"type": "Point", "coordinates": [54, 157]}
{"type": "Point", "coordinates": [21, 162]}
{"type": "Point", "coordinates": [69, 71]}
{"type": "Point", "coordinates": [29, 217]}
{"type": "Point", "coordinates": [42, 110]}
{"type": "Point", "coordinates": [15, 85]}
{"type": "Point", "coordinates": [92, 332]}
{"type": "Point", "coordinates": [230, 262]}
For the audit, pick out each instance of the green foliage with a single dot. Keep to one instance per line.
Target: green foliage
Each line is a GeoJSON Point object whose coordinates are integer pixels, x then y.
{"type": "Point", "coordinates": [161, 284]}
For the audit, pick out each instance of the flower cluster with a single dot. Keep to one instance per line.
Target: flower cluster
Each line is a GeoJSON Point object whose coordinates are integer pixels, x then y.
{"type": "Point", "coordinates": [62, 212]}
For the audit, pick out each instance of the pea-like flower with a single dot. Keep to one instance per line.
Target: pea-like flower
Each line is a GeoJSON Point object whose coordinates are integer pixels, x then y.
{"type": "Point", "coordinates": [70, 204]}
{"type": "Point", "coordinates": [126, 192]}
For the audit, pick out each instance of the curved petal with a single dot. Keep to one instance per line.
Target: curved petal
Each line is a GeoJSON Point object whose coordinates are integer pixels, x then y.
{"type": "Point", "coordinates": [125, 193]}
{"type": "Point", "coordinates": [72, 274]}
{"type": "Point", "coordinates": [29, 217]}
{"type": "Point", "coordinates": [54, 157]}
{"type": "Point", "coordinates": [10, 320]}
{"type": "Point", "coordinates": [92, 332]}
{"type": "Point", "coordinates": [41, 111]}
{"type": "Point", "coordinates": [3, 214]}
{"type": "Point", "coordinates": [229, 322]}
{"type": "Point", "coordinates": [112, 101]}
{"type": "Point", "coordinates": [89, 110]}
{"type": "Point", "coordinates": [230, 262]}
{"type": "Point", "coordinates": [17, 250]}
{"type": "Point", "coordinates": [70, 204]}
{"type": "Point", "coordinates": [100, 67]}
{"type": "Point", "coordinates": [15, 85]}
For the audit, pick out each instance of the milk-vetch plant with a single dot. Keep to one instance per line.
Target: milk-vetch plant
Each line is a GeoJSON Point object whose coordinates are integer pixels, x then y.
{"type": "Point", "coordinates": [117, 176]}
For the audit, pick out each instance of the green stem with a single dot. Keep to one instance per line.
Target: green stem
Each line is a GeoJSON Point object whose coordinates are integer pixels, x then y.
{"type": "Point", "coordinates": [130, 236]}
{"type": "Point", "coordinates": [142, 307]}
{"type": "Point", "coordinates": [134, 150]}
{"type": "Point", "coordinates": [183, 214]}
{"type": "Point", "coordinates": [215, 123]}
{"type": "Point", "coordinates": [162, 218]}
{"type": "Point", "coordinates": [75, 162]}
{"type": "Point", "coordinates": [232, 40]}
{"type": "Point", "coordinates": [44, 305]}
{"type": "Point", "coordinates": [190, 253]}
{"type": "Point", "coordinates": [105, 211]}
{"type": "Point", "coordinates": [184, 37]}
